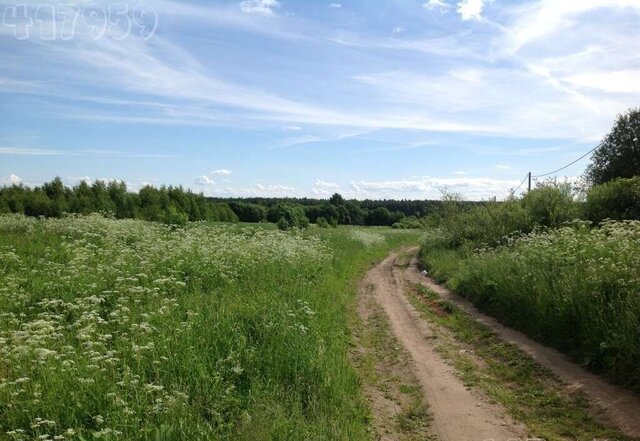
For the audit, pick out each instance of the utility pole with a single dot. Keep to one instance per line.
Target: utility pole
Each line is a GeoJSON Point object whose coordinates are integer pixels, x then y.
{"type": "Point", "coordinates": [529, 182]}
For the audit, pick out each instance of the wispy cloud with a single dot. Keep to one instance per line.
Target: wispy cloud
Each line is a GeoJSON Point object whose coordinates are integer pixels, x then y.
{"type": "Point", "coordinates": [261, 7]}
{"type": "Point", "coordinates": [28, 151]}
{"type": "Point", "coordinates": [437, 5]}
{"type": "Point", "coordinates": [221, 172]}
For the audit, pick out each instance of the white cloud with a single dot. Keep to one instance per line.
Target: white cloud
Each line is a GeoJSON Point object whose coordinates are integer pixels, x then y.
{"type": "Point", "coordinates": [292, 128]}
{"type": "Point", "coordinates": [12, 179]}
{"type": "Point", "coordinates": [503, 167]}
{"type": "Point", "coordinates": [261, 7]}
{"type": "Point", "coordinates": [398, 30]}
{"type": "Point", "coordinates": [323, 188]}
{"type": "Point", "coordinates": [437, 5]}
{"type": "Point", "coordinates": [626, 81]}
{"type": "Point", "coordinates": [26, 151]}
{"type": "Point", "coordinates": [204, 180]}
{"type": "Point", "coordinates": [221, 171]}
{"type": "Point", "coordinates": [326, 185]}
{"type": "Point", "coordinates": [544, 17]}
{"type": "Point", "coordinates": [470, 9]}
{"type": "Point", "coordinates": [459, 173]}
{"type": "Point", "coordinates": [431, 188]}
{"type": "Point", "coordinates": [335, 5]}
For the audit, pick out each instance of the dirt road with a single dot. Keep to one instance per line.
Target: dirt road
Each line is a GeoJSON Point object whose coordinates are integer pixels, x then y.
{"type": "Point", "coordinates": [461, 414]}
{"type": "Point", "coordinates": [458, 414]}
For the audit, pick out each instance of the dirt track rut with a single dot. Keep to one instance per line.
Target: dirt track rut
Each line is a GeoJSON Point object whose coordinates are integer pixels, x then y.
{"type": "Point", "coordinates": [460, 414]}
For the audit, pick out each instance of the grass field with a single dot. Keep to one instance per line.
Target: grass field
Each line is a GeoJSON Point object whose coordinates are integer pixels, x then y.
{"type": "Point", "coordinates": [123, 329]}
{"type": "Point", "coordinates": [575, 288]}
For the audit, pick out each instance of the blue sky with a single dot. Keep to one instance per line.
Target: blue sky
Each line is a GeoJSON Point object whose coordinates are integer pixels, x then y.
{"type": "Point", "coordinates": [374, 99]}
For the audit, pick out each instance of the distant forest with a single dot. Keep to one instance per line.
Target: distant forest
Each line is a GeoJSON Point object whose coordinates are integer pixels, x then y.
{"type": "Point", "coordinates": [176, 205]}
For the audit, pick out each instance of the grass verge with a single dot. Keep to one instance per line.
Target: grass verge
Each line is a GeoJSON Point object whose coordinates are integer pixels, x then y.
{"type": "Point", "coordinates": [530, 393]}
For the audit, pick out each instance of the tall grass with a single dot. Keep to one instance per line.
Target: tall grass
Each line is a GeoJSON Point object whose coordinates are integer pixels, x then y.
{"type": "Point", "coordinates": [576, 288]}
{"type": "Point", "coordinates": [134, 330]}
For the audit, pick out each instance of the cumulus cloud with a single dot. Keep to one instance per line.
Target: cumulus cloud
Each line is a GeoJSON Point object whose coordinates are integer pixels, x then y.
{"type": "Point", "coordinates": [323, 188]}
{"type": "Point", "coordinates": [437, 5]}
{"type": "Point", "coordinates": [12, 179]}
{"type": "Point", "coordinates": [204, 180]}
{"type": "Point", "coordinates": [335, 5]}
{"type": "Point", "coordinates": [471, 9]}
{"type": "Point", "coordinates": [261, 7]}
{"type": "Point", "coordinates": [222, 172]}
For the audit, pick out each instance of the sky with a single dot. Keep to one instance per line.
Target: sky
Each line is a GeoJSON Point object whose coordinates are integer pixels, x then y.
{"type": "Point", "coordinates": [373, 99]}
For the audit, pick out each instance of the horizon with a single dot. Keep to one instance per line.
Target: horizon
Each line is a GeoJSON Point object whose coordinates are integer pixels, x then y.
{"type": "Point", "coordinates": [264, 98]}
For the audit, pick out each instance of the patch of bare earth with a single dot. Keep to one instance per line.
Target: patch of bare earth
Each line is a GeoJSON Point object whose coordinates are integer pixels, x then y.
{"type": "Point", "coordinates": [407, 356]}
{"type": "Point", "coordinates": [392, 390]}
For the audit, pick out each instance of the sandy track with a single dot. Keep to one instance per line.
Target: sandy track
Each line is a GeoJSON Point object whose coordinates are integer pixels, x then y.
{"type": "Point", "coordinates": [458, 413]}
{"type": "Point", "coordinates": [620, 406]}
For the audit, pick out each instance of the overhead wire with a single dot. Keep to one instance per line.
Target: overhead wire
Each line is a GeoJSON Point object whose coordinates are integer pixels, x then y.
{"type": "Point", "coordinates": [568, 165]}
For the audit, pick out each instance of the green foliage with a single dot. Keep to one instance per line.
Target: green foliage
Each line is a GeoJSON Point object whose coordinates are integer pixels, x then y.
{"type": "Point", "coordinates": [282, 224]}
{"type": "Point", "coordinates": [618, 199]}
{"type": "Point", "coordinates": [322, 222]}
{"type": "Point", "coordinates": [207, 332]}
{"type": "Point", "coordinates": [408, 222]}
{"type": "Point", "coordinates": [574, 287]}
{"type": "Point", "coordinates": [619, 154]}
{"type": "Point", "coordinates": [293, 215]}
{"type": "Point", "coordinates": [383, 217]}
{"type": "Point", "coordinates": [551, 204]}
{"type": "Point", "coordinates": [166, 204]}
{"type": "Point", "coordinates": [247, 212]}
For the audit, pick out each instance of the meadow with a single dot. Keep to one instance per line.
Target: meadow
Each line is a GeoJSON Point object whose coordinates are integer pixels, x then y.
{"type": "Point", "coordinates": [127, 329]}
{"type": "Point", "coordinates": [571, 284]}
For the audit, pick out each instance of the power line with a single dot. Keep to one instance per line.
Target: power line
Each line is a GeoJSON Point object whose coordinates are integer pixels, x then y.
{"type": "Point", "coordinates": [518, 187]}
{"type": "Point", "coordinates": [568, 165]}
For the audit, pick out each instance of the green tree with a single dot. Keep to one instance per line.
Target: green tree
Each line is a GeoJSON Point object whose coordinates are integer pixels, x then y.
{"type": "Point", "coordinates": [282, 224]}
{"type": "Point", "coordinates": [618, 156]}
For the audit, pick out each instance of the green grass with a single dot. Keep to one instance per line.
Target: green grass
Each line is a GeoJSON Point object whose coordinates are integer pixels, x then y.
{"type": "Point", "coordinates": [575, 288]}
{"type": "Point", "coordinates": [530, 393]}
{"type": "Point", "coordinates": [133, 330]}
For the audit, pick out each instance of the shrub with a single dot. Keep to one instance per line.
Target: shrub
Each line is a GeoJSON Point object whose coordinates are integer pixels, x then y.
{"type": "Point", "coordinates": [618, 199]}
{"type": "Point", "coordinates": [283, 224]}
{"type": "Point", "coordinates": [322, 222]}
{"type": "Point", "coordinates": [293, 214]}
{"type": "Point", "coordinates": [551, 204]}
{"type": "Point", "coordinates": [408, 222]}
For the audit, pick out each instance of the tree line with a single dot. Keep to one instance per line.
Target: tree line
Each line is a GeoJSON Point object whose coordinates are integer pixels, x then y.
{"type": "Point", "coordinates": [176, 205]}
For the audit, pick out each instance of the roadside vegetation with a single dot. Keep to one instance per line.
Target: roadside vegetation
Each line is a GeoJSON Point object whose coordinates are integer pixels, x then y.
{"type": "Point", "coordinates": [506, 375]}
{"type": "Point", "coordinates": [562, 266]}
{"type": "Point", "coordinates": [126, 329]}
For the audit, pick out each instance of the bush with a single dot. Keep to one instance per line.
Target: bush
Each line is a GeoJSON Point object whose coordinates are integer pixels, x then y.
{"type": "Point", "coordinates": [618, 199]}
{"type": "Point", "coordinates": [293, 214]}
{"type": "Point", "coordinates": [551, 204]}
{"type": "Point", "coordinates": [322, 222]}
{"type": "Point", "coordinates": [409, 222]}
{"type": "Point", "coordinates": [282, 224]}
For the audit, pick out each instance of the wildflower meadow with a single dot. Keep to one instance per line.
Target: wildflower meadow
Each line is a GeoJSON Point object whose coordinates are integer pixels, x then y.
{"type": "Point", "coordinates": [126, 329]}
